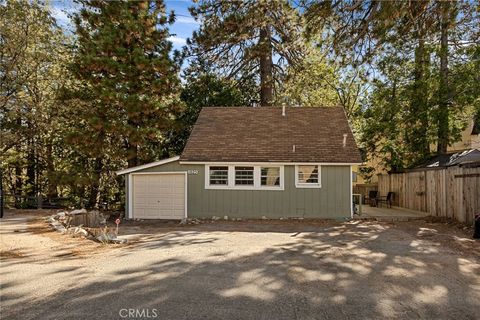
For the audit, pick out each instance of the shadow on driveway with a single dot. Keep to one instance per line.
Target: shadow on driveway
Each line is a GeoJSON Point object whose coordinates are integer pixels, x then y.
{"type": "Point", "coordinates": [225, 271]}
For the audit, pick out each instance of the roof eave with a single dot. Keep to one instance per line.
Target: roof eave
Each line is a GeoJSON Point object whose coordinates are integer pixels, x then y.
{"type": "Point", "coordinates": [147, 165]}
{"type": "Point", "coordinates": [351, 163]}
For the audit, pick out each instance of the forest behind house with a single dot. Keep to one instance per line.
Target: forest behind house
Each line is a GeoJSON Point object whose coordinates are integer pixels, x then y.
{"type": "Point", "coordinates": [78, 105]}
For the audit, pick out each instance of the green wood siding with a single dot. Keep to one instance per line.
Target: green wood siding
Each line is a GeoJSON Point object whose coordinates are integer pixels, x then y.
{"type": "Point", "coordinates": [331, 201]}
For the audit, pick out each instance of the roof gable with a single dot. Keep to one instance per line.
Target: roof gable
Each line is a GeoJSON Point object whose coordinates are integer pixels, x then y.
{"type": "Point", "coordinates": [148, 165]}
{"type": "Point", "coordinates": [262, 134]}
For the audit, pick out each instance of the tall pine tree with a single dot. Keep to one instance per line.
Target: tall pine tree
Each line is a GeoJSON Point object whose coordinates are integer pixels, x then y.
{"type": "Point", "coordinates": [432, 35]}
{"type": "Point", "coordinates": [123, 58]}
{"type": "Point", "coordinates": [245, 38]}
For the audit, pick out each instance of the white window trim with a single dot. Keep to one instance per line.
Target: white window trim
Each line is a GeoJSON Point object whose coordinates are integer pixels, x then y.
{"type": "Point", "coordinates": [309, 185]}
{"type": "Point", "coordinates": [256, 177]}
{"type": "Point", "coordinates": [216, 186]}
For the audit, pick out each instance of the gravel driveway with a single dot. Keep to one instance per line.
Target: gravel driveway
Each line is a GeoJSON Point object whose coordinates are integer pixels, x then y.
{"type": "Point", "coordinates": [242, 270]}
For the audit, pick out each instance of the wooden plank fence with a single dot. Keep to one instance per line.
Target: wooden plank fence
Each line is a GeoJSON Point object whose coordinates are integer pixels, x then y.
{"type": "Point", "coordinates": [452, 192]}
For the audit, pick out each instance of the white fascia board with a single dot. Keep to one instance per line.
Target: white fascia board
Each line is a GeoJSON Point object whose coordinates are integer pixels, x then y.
{"type": "Point", "coordinates": [148, 165]}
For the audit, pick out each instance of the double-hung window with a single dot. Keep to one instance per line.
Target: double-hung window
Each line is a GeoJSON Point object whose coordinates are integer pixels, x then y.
{"type": "Point", "coordinates": [307, 176]}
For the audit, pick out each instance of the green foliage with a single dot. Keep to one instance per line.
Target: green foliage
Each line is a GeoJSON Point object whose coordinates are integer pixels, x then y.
{"type": "Point", "coordinates": [73, 114]}
{"type": "Point", "coordinates": [249, 39]}
{"type": "Point", "coordinates": [367, 173]}
{"type": "Point", "coordinates": [415, 50]}
{"type": "Point", "coordinates": [203, 89]}
{"type": "Point", "coordinates": [33, 52]}
{"type": "Point", "coordinates": [75, 110]}
{"type": "Point", "coordinates": [381, 135]}
{"type": "Point", "coordinates": [125, 93]}
{"type": "Point", "coordinates": [123, 62]}
{"type": "Point", "coordinates": [312, 82]}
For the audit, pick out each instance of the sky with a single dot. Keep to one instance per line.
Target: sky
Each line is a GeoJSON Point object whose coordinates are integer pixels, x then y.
{"type": "Point", "coordinates": [180, 30]}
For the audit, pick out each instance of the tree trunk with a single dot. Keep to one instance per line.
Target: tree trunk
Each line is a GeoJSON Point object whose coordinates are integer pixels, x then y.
{"type": "Point", "coordinates": [444, 90]}
{"type": "Point", "coordinates": [132, 155]}
{"type": "Point", "coordinates": [52, 185]}
{"type": "Point", "coordinates": [31, 167]}
{"type": "Point", "coordinates": [132, 147]}
{"type": "Point", "coordinates": [418, 140]}
{"type": "Point", "coordinates": [18, 186]}
{"type": "Point", "coordinates": [18, 178]}
{"type": "Point", "coordinates": [266, 67]}
{"type": "Point", "coordinates": [95, 186]}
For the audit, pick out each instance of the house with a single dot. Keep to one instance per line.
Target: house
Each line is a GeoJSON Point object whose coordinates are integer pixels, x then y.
{"type": "Point", "coordinates": [469, 140]}
{"type": "Point", "coordinates": [249, 163]}
{"type": "Point", "coordinates": [470, 136]}
{"type": "Point", "coordinates": [451, 159]}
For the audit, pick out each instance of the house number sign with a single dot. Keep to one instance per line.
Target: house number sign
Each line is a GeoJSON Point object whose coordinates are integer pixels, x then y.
{"type": "Point", "coordinates": [192, 171]}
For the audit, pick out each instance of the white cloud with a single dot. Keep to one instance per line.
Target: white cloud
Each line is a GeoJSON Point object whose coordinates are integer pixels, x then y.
{"type": "Point", "coordinates": [186, 20]}
{"type": "Point", "coordinates": [177, 40]}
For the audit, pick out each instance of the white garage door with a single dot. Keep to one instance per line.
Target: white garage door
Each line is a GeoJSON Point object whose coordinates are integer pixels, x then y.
{"type": "Point", "coordinates": [158, 196]}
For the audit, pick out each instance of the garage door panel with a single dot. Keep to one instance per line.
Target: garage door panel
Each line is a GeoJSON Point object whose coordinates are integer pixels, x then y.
{"type": "Point", "coordinates": [178, 202]}
{"type": "Point", "coordinates": [149, 212]}
{"type": "Point", "coordinates": [172, 193]}
{"type": "Point", "coordinates": [159, 196]}
{"type": "Point", "coordinates": [145, 202]}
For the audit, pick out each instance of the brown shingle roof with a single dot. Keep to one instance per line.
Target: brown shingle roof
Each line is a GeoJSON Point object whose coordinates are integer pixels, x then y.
{"type": "Point", "coordinates": [245, 134]}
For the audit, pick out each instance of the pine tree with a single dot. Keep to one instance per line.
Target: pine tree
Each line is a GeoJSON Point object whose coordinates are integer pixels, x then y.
{"type": "Point", "coordinates": [431, 35]}
{"type": "Point", "coordinates": [418, 113]}
{"type": "Point", "coordinates": [203, 88]}
{"type": "Point", "coordinates": [312, 83]}
{"type": "Point", "coordinates": [32, 59]}
{"type": "Point", "coordinates": [123, 57]}
{"type": "Point", "coordinates": [245, 38]}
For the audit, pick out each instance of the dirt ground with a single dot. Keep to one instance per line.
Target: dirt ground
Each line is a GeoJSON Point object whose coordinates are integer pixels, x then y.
{"type": "Point", "coordinates": [241, 270]}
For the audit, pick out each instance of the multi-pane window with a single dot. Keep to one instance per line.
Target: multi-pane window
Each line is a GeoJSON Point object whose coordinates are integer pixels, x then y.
{"type": "Point", "coordinates": [219, 175]}
{"type": "Point", "coordinates": [244, 176]}
{"type": "Point", "coordinates": [307, 175]}
{"type": "Point", "coordinates": [270, 176]}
